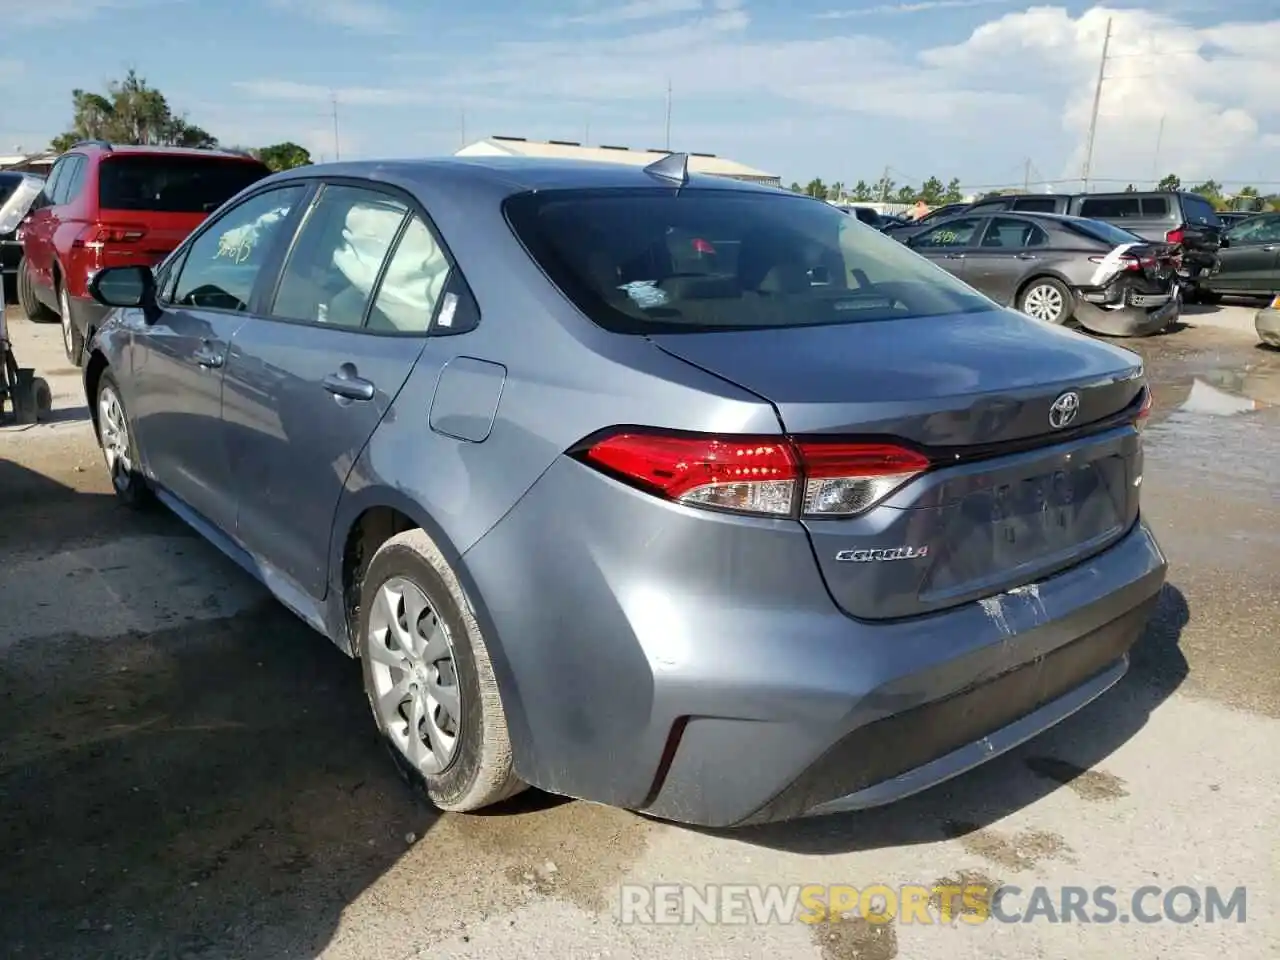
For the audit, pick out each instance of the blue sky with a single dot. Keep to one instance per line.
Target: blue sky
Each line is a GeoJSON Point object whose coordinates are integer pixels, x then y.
{"type": "Point", "coordinates": [973, 89]}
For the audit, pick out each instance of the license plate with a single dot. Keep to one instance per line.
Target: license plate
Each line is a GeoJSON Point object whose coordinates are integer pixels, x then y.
{"type": "Point", "coordinates": [1027, 512]}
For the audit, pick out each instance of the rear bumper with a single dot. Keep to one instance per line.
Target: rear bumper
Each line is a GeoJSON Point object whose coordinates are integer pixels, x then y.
{"type": "Point", "coordinates": [694, 666]}
{"type": "Point", "coordinates": [1141, 315]}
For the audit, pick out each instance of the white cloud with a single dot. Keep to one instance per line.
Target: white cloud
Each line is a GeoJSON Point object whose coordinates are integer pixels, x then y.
{"type": "Point", "coordinates": [1019, 85]}
{"type": "Point", "coordinates": [365, 16]}
{"type": "Point", "coordinates": [920, 6]}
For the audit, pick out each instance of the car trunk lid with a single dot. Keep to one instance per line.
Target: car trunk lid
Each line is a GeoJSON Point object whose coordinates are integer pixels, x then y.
{"type": "Point", "coordinates": [1010, 498]}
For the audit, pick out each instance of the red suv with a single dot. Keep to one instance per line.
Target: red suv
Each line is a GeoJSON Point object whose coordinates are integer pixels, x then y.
{"type": "Point", "coordinates": [107, 205]}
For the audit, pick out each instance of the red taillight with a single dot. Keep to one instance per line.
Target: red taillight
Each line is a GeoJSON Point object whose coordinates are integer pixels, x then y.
{"type": "Point", "coordinates": [1125, 262]}
{"type": "Point", "coordinates": [1145, 410]}
{"type": "Point", "coordinates": [777, 476]}
{"type": "Point", "coordinates": [104, 234]}
{"type": "Point", "coordinates": [1175, 236]}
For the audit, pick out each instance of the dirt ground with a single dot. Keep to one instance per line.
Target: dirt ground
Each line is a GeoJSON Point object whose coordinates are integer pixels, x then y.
{"type": "Point", "coordinates": [187, 771]}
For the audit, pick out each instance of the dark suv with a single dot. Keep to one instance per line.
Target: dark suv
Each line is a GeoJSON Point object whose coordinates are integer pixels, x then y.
{"type": "Point", "coordinates": [1185, 219]}
{"type": "Point", "coordinates": [105, 205]}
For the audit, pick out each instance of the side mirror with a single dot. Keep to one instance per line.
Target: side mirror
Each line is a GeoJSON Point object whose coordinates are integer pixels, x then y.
{"type": "Point", "coordinates": [124, 287]}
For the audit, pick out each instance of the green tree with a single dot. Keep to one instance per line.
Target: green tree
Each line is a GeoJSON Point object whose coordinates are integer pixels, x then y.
{"type": "Point", "coordinates": [131, 112]}
{"type": "Point", "coordinates": [795, 187]}
{"type": "Point", "coordinates": [835, 191]}
{"type": "Point", "coordinates": [861, 191]}
{"type": "Point", "coordinates": [1131, 189]}
{"type": "Point", "coordinates": [953, 193]}
{"type": "Point", "coordinates": [1209, 189]}
{"type": "Point", "coordinates": [1247, 192]}
{"type": "Point", "coordinates": [932, 191]}
{"type": "Point", "coordinates": [284, 156]}
{"type": "Point", "coordinates": [816, 188]}
{"type": "Point", "coordinates": [1170, 183]}
{"type": "Point", "coordinates": [883, 190]}
{"type": "Point", "coordinates": [907, 195]}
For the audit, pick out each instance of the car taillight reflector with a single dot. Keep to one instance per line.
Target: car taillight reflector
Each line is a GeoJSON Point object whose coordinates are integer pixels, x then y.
{"type": "Point", "coordinates": [776, 476]}
{"type": "Point", "coordinates": [1175, 236]}
{"type": "Point", "coordinates": [100, 234]}
{"type": "Point", "coordinates": [1145, 410]}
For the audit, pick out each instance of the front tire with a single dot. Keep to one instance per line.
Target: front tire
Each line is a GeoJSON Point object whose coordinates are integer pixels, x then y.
{"type": "Point", "coordinates": [32, 308]}
{"type": "Point", "coordinates": [115, 437]}
{"type": "Point", "coordinates": [429, 679]}
{"type": "Point", "coordinates": [1047, 300]}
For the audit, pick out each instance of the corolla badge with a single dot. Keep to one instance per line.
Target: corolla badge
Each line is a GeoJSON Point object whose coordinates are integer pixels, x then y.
{"type": "Point", "coordinates": [889, 553]}
{"type": "Point", "coordinates": [1064, 410]}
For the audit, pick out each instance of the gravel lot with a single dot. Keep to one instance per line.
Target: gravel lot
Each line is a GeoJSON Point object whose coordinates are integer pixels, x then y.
{"type": "Point", "coordinates": [188, 771]}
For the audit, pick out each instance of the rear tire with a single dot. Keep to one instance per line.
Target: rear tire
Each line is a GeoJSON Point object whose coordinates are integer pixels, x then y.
{"type": "Point", "coordinates": [423, 657]}
{"type": "Point", "coordinates": [1047, 300]}
{"type": "Point", "coordinates": [72, 339]}
{"type": "Point", "coordinates": [32, 308]}
{"type": "Point", "coordinates": [115, 437]}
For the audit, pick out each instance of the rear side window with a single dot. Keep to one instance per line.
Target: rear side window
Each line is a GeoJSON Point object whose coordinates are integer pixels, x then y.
{"type": "Point", "coordinates": [1036, 204]}
{"type": "Point", "coordinates": [1111, 208]}
{"type": "Point", "coordinates": [173, 184]}
{"type": "Point", "coordinates": [1156, 207]}
{"type": "Point", "coordinates": [653, 260]}
{"type": "Point", "coordinates": [1006, 233]}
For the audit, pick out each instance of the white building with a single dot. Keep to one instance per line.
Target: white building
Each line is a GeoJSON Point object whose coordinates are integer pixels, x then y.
{"type": "Point", "coordinates": [706, 163]}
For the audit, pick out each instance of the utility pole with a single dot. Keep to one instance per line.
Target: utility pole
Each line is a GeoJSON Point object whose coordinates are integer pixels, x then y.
{"type": "Point", "coordinates": [1097, 100]}
{"type": "Point", "coordinates": [668, 113]}
{"type": "Point", "coordinates": [1155, 164]}
{"type": "Point", "coordinates": [333, 97]}
{"type": "Point", "coordinates": [1026, 177]}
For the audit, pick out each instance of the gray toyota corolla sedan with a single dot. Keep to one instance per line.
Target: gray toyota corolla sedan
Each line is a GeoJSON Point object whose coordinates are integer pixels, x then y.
{"type": "Point", "coordinates": [678, 494]}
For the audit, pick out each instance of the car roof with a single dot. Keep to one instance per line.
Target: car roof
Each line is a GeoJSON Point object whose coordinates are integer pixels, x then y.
{"type": "Point", "coordinates": [517, 174]}
{"type": "Point", "coordinates": [111, 149]}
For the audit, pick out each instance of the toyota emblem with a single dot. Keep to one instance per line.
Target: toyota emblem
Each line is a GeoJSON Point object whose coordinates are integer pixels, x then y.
{"type": "Point", "coordinates": [1064, 410]}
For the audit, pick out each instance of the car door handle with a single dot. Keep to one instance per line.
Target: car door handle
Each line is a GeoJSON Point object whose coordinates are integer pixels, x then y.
{"type": "Point", "coordinates": [954, 256]}
{"type": "Point", "coordinates": [1270, 248]}
{"type": "Point", "coordinates": [1026, 256]}
{"type": "Point", "coordinates": [349, 387]}
{"type": "Point", "coordinates": [208, 357]}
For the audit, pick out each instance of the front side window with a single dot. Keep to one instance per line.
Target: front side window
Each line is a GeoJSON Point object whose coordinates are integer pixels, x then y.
{"type": "Point", "coordinates": [650, 260]}
{"type": "Point", "coordinates": [953, 233]}
{"type": "Point", "coordinates": [335, 262]}
{"type": "Point", "coordinates": [1257, 230]}
{"type": "Point", "coordinates": [223, 263]}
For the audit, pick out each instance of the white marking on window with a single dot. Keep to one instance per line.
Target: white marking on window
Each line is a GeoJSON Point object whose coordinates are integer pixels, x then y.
{"type": "Point", "coordinates": [447, 310]}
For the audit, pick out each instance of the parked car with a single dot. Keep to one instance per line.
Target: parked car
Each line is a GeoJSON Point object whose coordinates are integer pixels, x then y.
{"type": "Point", "coordinates": [17, 191]}
{"type": "Point", "coordinates": [1187, 220]}
{"type": "Point", "coordinates": [868, 215]}
{"type": "Point", "coordinates": [1249, 261]}
{"type": "Point", "coordinates": [1057, 269]}
{"type": "Point", "coordinates": [111, 205]}
{"type": "Point", "coordinates": [609, 495]}
{"type": "Point", "coordinates": [1230, 218]}
{"type": "Point", "coordinates": [909, 228]}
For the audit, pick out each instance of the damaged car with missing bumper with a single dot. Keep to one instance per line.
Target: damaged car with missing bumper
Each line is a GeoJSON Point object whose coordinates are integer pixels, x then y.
{"type": "Point", "coordinates": [1061, 269]}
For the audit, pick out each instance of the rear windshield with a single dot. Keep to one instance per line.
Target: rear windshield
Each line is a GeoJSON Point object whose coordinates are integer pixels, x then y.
{"type": "Point", "coordinates": [173, 184]}
{"type": "Point", "coordinates": [1101, 230]}
{"type": "Point", "coordinates": [650, 261]}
